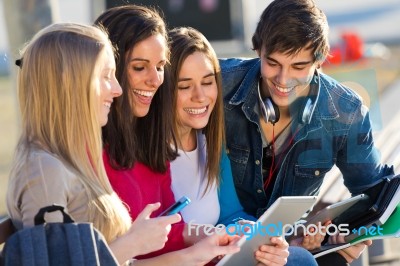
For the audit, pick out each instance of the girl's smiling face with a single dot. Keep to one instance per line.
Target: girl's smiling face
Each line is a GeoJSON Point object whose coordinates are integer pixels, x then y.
{"type": "Point", "coordinates": [197, 91]}
{"type": "Point", "coordinates": [145, 72]}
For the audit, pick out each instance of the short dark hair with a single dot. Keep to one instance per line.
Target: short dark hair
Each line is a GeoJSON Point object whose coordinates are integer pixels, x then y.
{"type": "Point", "coordinates": [287, 26]}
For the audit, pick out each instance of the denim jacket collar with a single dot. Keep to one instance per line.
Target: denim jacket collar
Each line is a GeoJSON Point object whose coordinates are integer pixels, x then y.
{"type": "Point", "coordinates": [248, 87]}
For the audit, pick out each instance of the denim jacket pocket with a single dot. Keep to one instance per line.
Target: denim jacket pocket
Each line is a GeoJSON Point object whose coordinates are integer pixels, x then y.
{"type": "Point", "coordinates": [315, 170]}
{"type": "Point", "coordinates": [239, 157]}
{"type": "Point", "coordinates": [308, 178]}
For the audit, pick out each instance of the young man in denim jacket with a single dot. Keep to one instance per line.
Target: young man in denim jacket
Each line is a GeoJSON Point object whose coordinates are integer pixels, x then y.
{"type": "Point", "coordinates": [288, 124]}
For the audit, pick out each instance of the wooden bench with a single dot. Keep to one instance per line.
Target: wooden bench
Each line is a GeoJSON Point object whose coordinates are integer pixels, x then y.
{"type": "Point", "coordinates": [6, 229]}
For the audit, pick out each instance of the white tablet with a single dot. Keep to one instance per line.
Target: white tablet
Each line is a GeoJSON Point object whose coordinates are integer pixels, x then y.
{"type": "Point", "coordinates": [284, 211]}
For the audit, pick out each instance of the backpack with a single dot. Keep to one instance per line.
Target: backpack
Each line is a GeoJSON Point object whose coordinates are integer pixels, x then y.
{"type": "Point", "coordinates": [47, 244]}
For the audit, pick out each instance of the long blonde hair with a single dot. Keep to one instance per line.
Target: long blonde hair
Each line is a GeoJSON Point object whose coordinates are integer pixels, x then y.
{"type": "Point", "coordinates": [57, 90]}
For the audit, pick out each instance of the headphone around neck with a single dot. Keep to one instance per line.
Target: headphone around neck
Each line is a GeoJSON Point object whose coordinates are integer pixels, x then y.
{"type": "Point", "coordinates": [270, 111]}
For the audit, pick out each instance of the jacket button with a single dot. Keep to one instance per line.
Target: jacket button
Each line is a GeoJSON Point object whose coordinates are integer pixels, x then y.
{"type": "Point", "coordinates": [259, 191]}
{"type": "Point", "coordinates": [317, 172]}
{"type": "Point", "coordinates": [257, 162]}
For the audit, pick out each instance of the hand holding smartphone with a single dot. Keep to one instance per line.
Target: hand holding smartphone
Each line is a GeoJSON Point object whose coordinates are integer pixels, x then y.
{"type": "Point", "coordinates": [176, 207]}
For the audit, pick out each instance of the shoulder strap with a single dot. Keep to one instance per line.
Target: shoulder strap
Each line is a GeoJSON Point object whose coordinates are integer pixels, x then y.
{"type": "Point", "coordinates": [39, 217]}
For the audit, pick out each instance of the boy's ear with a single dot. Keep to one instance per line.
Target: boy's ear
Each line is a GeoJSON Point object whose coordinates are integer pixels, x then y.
{"type": "Point", "coordinates": [318, 64]}
{"type": "Point", "coordinates": [258, 53]}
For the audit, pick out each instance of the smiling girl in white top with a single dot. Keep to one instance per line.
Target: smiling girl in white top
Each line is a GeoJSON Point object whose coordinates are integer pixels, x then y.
{"type": "Point", "coordinates": [194, 75]}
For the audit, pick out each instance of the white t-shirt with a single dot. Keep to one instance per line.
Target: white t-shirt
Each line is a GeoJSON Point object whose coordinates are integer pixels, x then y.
{"type": "Point", "coordinates": [189, 178]}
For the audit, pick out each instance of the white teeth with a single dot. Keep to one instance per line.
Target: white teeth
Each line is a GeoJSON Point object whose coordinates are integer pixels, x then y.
{"type": "Point", "coordinates": [284, 90]}
{"type": "Point", "coordinates": [144, 93]}
{"type": "Point", "coordinates": [195, 111]}
{"type": "Point", "coordinates": [108, 105]}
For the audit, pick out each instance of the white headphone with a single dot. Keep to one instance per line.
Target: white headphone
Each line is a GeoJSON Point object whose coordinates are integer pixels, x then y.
{"type": "Point", "coordinates": [270, 111]}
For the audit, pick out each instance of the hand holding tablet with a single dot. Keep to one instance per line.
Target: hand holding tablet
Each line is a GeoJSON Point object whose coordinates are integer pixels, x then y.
{"type": "Point", "coordinates": [284, 211]}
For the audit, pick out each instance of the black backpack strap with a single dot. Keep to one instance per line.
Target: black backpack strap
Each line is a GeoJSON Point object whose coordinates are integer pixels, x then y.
{"type": "Point", "coordinates": [39, 217]}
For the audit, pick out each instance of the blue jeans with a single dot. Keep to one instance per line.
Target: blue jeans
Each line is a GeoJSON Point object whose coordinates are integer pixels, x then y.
{"type": "Point", "coordinates": [300, 257]}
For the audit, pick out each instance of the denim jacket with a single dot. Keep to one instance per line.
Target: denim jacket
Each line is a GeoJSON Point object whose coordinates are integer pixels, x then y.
{"type": "Point", "coordinates": [339, 133]}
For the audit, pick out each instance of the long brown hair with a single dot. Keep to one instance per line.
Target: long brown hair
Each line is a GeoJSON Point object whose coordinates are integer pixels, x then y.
{"type": "Point", "coordinates": [185, 41]}
{"type": "Point", "coordinates": [127, 138]}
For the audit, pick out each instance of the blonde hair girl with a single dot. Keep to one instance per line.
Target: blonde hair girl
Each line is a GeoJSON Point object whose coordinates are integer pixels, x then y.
{"type": "Point", "coordinates": [66, 85]}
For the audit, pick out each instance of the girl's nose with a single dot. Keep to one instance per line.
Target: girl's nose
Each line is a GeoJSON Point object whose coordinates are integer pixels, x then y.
{"type": "Point", "coordinates": [155, 78]}
{"type": "Point", "coordinates": [198, 94]}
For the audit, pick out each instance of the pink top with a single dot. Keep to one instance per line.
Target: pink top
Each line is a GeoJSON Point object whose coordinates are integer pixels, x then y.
{"type": "Point", "coordinates": [140, 186]}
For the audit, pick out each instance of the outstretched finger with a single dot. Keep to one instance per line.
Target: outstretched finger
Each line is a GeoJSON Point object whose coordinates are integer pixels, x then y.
{"type": "Point", "coordinates": [170, 219]}
{"type": "Point", "coordinates": [148, 210]}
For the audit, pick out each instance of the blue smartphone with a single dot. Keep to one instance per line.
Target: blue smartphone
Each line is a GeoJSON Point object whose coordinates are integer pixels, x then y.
{"type": "Point", "coordinates": [176, 207]}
